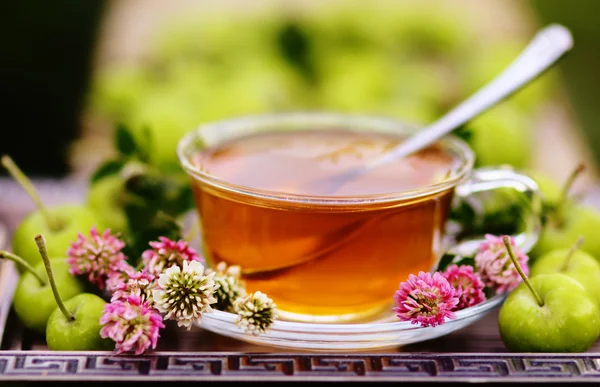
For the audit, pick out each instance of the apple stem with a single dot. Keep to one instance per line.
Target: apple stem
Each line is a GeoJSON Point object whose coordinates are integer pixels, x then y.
{"type": "Point", "coordinates": [41, 243]}
{"type": "Point", "coordinates": [26, 184]}
{"type": "Point", "coordinates": [507, 242]}
{"type": "Point", "coordinates": [24, 263]}
{"type": "Point", "coordinates": [567, 188]}
{"type": "Point", "coordinates": [572, 251]}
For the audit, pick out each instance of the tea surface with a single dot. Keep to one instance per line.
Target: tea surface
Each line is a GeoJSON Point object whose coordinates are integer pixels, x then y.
{"type": "Point", "coordinates": [289, 161]}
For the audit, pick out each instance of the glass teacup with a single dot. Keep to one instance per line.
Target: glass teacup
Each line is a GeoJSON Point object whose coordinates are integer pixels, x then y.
{"type": "Point", "coordinates": [331, 257]}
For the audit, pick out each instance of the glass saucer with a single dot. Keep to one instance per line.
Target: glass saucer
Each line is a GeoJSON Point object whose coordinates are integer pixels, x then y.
{"type": "Point", "coordinates": [381, 332]}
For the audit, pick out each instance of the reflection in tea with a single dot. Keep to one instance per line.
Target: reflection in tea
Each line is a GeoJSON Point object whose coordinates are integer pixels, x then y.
{"type": "Point", "coordinates": [321, 262]}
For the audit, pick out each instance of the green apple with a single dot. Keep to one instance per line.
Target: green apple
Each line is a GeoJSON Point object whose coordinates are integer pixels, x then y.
{"type": "Point", "coordinates": [33, 300]}
{"type": "Point", "coordinates": [356, 83]}
{"type": "Point", "coordinates": [577, 220]}
{"type": "Point", "coordinates": [168, 118]}
{"type": "Point", "coordinates": [575, 263]}
{"type": "Point", "coordinates": [348, 28]}
{"type": "Point", "coordinates": [549, 187]}
{"type": "Point", "coordinates": [262, 85]}
{"type": "Point", "coordinates": [566, 320]}
{"type": "Point", "coordinates": [70, 220]}
{"type": "Point", "coordinates": [502, 136]}
{"type": "Point", "coordinates": [106, 198]}
{"type": "Point", "coordinates": [408, 29]}
{"type": "Point", "coordinates": [209, 38]}
{"type": "Point", "coordinates": [426, 31]}
{"type": "Point", "coordinates": [488, 60]}
{"type": "Point", "coordinates": [74, 324]}
{"type": "Point", "coordinates": [374, 83]}
{"type": "Point", "coordinates": [61, 222]}
{"type": "Point", "coordinates": [566, 220]}
{"type": "Point", "coordinates": [115, 91]}
{"type": "Point", "coordinates": [77, 327]}
{"type": "Point", "coordinates": [548, 313]}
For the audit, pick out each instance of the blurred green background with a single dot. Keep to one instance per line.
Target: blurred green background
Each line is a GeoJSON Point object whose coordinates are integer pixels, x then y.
{"type": "Point", "coordinates": [72, 70]}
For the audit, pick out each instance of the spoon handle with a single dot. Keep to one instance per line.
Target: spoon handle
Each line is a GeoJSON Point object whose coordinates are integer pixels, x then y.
{"type": "Point", "coordinates": [546, 47]}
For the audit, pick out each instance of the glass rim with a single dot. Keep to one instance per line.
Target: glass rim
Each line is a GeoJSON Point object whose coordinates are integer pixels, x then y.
{"type": "Point", "coordinates": [450, 142]}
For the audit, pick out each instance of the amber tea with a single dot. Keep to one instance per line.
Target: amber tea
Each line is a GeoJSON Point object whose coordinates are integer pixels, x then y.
{"type": "Point", "coordinates": [321, 262]}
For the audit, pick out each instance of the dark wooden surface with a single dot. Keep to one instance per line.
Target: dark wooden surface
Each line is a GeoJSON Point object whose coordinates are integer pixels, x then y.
{"type": "Point", "coordinates": [473, 354]}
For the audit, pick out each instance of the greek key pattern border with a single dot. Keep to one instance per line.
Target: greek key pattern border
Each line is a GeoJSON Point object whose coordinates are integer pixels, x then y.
{"type": "Point", "coordinates": [189, 366]}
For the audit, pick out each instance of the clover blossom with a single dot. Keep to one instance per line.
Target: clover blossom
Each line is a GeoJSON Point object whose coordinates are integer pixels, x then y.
{"type": "Point", "coordinates": [118, 277]}
{"type": "Point", "coordinates": [131, 282]}
{"type": "Point", "coordinates": [185, 294]}
{"type": "Point", "coordinates": [132, 324]}
{"type": "Point", "coordinates": [99, 256]}
{"type": "Point", "coordinates": [425, 299]}
{"type": "Point", "coordinates": [231, 286]}
{"type": "Point", "coordinates": [467, 283]}
{"type": "Point", "coordinates": [255, 313]}
{"type": "Point", "coordinates": [495, 267]}
{"type": "Point", "coordinates": [166, 253]}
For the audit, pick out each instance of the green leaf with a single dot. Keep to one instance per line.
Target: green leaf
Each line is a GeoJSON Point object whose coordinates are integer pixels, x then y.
{"type": "Point", "coordinates": [295, 47]}
{"type": "Point", "coordinates": [185, 200]}
{"type": "Point", "coordinates": [152, 203]}
{"type": "Point", "coordinates": [148, 186]}
{"type": "Point", "coordinates": [505, 221]}
{"type": "Point", "coordinates": [464, 132]}
{"type": "Point", "coordinates": [160, 224]}
{"type": "Point", "coordinates": [108, 168]}
{"type": "Point", "coordinates": [144, 145]}
{"type": "Point", "coordinates": [125, 141]}
{"type": "Point", "coordinates": [466, 217]}
{"type": "Point", "coordinates": [146, 195]}
{"type": "Point", "coordinates": [169, 194]}
{"type": "Point", "coordinates": [177, 197]}
{"type": "Point", "coordinates": [450, 259]}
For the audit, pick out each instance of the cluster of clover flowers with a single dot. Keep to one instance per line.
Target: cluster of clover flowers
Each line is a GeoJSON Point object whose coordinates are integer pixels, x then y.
{"type": "Point", "coordinates": [171, 281]}
{"type": "Point", "coordinates": [430, 299]}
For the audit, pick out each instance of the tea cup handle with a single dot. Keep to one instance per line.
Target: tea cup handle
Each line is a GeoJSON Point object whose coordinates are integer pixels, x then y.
{"type": "Point", "coordinates": [493, 178]}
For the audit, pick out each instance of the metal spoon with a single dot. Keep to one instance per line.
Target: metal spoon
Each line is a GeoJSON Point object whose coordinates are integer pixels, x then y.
{"type": "Point", "coordinates": [547, 46]}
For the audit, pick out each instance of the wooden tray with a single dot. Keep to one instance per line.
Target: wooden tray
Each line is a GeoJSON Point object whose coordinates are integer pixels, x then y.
{"type": "Point", "coordinates": [474, 354]}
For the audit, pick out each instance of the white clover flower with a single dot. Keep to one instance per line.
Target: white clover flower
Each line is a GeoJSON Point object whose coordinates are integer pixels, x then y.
{"type": "Point", "coordinates": [255, 313]}
{"type": "Point", "coordinates": [184, 295]}
{"type": "Point", "coordinates": [231, 286]}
